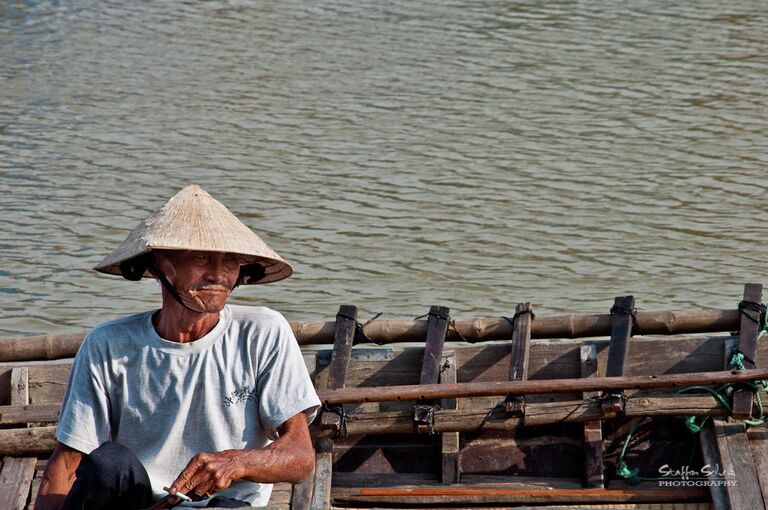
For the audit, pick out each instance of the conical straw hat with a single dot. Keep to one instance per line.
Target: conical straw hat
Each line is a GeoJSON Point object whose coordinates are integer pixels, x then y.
{"type": "Point", "coordinates": [194, 220]}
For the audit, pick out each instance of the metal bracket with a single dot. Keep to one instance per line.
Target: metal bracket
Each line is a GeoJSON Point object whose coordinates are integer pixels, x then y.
{"type": "Point", "coordinates": [424, 418]}
{"type": "Point", "coordinates": [515, 405]}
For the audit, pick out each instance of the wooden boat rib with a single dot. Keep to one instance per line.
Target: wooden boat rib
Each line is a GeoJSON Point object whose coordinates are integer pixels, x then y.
{"type": "Point", "coordinates": [529, 419]}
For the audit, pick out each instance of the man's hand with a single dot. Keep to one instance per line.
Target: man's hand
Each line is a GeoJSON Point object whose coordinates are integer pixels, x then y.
{"type": "Point", "coordinates": [289, 459]}
{"type": "Point", "coordinates": [209, 473]}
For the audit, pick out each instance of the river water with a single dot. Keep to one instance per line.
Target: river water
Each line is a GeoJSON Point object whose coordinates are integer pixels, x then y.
{"type": "Point", "coordinates": [400, 154]}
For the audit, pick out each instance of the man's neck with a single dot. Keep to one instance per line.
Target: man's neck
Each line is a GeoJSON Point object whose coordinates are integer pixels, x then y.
{"type": "Point", "coordinates": [177, 324]}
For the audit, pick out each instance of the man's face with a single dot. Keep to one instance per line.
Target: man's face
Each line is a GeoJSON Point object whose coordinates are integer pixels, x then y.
{"type": "Point", "coordinates": [204, 278]}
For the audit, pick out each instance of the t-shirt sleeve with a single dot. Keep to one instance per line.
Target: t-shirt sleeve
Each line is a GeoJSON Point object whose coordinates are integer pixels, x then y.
{"type": "Point", "coordinates": [84, 420]}
{"type": "Point", "coordinates": [285, 388]}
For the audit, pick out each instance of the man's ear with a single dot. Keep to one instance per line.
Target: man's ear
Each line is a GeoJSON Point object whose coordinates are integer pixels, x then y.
{"type": "Point", "coordinates": [251, 273]}
{"type": "Point", "coordinates": [133, 269]}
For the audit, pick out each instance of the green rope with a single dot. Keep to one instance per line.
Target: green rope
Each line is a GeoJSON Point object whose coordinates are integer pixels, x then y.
{"type": "Point", "coordinates": [622, 470]}
{"type": "Point", "coordinates": [691, 423]}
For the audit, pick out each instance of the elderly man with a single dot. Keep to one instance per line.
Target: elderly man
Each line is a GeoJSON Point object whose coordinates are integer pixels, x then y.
{"type": "Point", "coordinates": [210, 400]}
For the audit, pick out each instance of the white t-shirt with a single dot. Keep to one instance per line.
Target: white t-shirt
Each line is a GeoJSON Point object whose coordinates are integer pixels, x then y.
{"type": "Point", "coordinates": [167, 401]}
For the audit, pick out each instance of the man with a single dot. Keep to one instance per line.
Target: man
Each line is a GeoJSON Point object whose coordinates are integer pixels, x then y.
{"type": "Point", "coordinates": [212, 401]}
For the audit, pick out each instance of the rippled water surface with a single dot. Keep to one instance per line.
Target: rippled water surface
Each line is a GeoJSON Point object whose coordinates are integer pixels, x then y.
{"type": "Point", "coordinates": [399, 154]}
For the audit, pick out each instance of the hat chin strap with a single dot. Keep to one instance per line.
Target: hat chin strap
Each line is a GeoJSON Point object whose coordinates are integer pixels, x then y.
{"type": "Point", "coordinates": [171, 289]}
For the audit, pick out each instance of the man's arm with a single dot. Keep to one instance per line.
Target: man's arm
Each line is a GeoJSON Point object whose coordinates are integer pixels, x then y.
{"type": "Point", "coordinates": [58, 477]}
{"type": "Point", "coordinates": [289, 458]}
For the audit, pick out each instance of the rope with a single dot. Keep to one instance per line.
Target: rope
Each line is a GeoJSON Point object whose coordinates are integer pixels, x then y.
{"type": "Point", "coordinates": [627, 311]}
{"type": "Point", "coordinates": [452, 324]}
{"type": "Point", "coordinates": [338, 410]}
{"type": "Point", "coordinates": [514, 318]}
{"type": "Point", "coordinates": [360, 328]}
{"type": "Point", "coordinates": [720, 394]}
{"type": "Point", "coordinates": [753, 307]}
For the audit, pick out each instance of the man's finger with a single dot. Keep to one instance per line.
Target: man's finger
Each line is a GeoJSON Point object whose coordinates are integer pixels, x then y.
{"type": "Point", "coordinates": [206, 488]}
{"type": "Point", "coordinates": [191, 475]}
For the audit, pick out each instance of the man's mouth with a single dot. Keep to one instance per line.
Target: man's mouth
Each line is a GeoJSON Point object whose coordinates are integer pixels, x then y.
{"type": "Point", "coordinates": [212, 288]}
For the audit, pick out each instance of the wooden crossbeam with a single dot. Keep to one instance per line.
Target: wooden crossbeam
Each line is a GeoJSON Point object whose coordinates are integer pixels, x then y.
{"type": "Point", "coordinates": [301, 493]}
{"type": "Point", "coordinates": [748, 331]}
{"type": "Point", "coordinates": [593, 430]}
{"type": "Point", "coordinates": [521, 348]}
{"type": "Point", "coordinates": [437, 328]}
{"type": "Point", "coordinates": [19, 386]}
{"type": "Point", "coordinates": [621, 330]}
{"type": "Point", "coordinates": [346, 323]}
{"type": "Point", "coordinates": [22, 414]}
{"type": "Point", "coordinates": [449, 441]}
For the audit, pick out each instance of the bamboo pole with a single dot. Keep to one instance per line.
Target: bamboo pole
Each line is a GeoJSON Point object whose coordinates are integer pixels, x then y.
{"type": "Point", "coordinates": [496, 418]}
{"type": "Point", "coordinates": [471, 330]}
{"type": "Point", "coordinates": [358, 395]}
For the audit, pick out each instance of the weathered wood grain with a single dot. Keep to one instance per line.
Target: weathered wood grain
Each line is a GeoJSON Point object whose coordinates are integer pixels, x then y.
{"type": "Point", "coordinates": [449, 441]}
{"type": "Point", "coordinates": [435, 391]}
{"type": "Point", "coordinates": [15, 481]}
{"type": "Point", "coordinates": [16, 415]}
{"type": "Point", "coordinates": [735, 454]}
{"type": "Point", "coordinates": [593, 429]}
{"type": "Point", "coordinates": [520, 356]}
{"type": "Point", "coordinates": [748, 331]}
{"type": "Point", "coordinates": [758, 446]}
{"type": "Point", "coordinates": [27, 441]}
{"type": "Point", "coordinates": [391, 331]}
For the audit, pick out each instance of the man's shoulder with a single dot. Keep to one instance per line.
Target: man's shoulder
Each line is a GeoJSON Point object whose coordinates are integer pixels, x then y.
{"type": "Point", "coordinates": [260, 323]}
{"type": "Point", "coordinates": [130, 325]}
{"type": "Point", "coordinates": [259, 315]}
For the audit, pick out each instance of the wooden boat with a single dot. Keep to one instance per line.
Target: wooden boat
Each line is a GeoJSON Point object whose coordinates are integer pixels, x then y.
{"type": "Point", "coordinates": [517, 412]}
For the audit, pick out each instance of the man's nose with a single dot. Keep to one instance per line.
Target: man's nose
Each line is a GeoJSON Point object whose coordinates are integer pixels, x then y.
{"type": "Point", "coordinates": [217, 268]}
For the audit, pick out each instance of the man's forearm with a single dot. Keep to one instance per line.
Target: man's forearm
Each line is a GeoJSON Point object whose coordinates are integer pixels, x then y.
{"type": "Point", "coordinates": [58, 477]}
{"type": "Point", "coordinates": [282, 461]}
{"type": "Point", "coordinates": [289, 459]}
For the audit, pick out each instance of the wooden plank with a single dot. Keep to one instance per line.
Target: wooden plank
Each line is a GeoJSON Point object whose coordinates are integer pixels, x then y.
{"type": "Point", "coordinates": [521, 348]}
{"type": "Point", "coordinates": [486, 389]}
{"type": "Point", "coordinates": [548, 360]}
{"type": "Point", "coordinates": [346, 323]}
{"type": "Point", "coordinates": [736, 456]}
{"type": "Point", "coordinates": [758, 445]}
{"type": "Point", "coordinates": [321, 495]}
{"type": "Point", "coordinates": [301, 493]}
{"type": "Point", "coordinates": [473, 330]}
{"type": "Point", "coordinates": [711, 457]}
{"type": "Point", "coordinates": [342, 350]}
{"type": "Point", "coordinates": [15, 482]}
{"type": "Point", "coordinates": [622, 314]}
{"type": "Point", "coordinates": [36, 481]}
{"type": "Point", "coordinates": [748, 331]}
{"type": "Point", "coordinates": [593, 430]}
{"type": "Point", "coordinates": [423, 412]}
{"type": "Point", "coordinates": [510, 493]}
{"type": "Point", "coordinates": [27, 441]}
{"type": "Point", "coordinates": [19, 414]}
{"type": "Point", "coordinates": [19, 386]}
{"type": "Point", "coordinates": [433, 349]}
{"type": "Point", "coordinates": [342, 345]}
{"type": "Point", "coordinates": [47, 381]}
{"type": "Point", "coordinates": [449, 441]}
{"type": "Point", "coordinates": [491, 417]}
